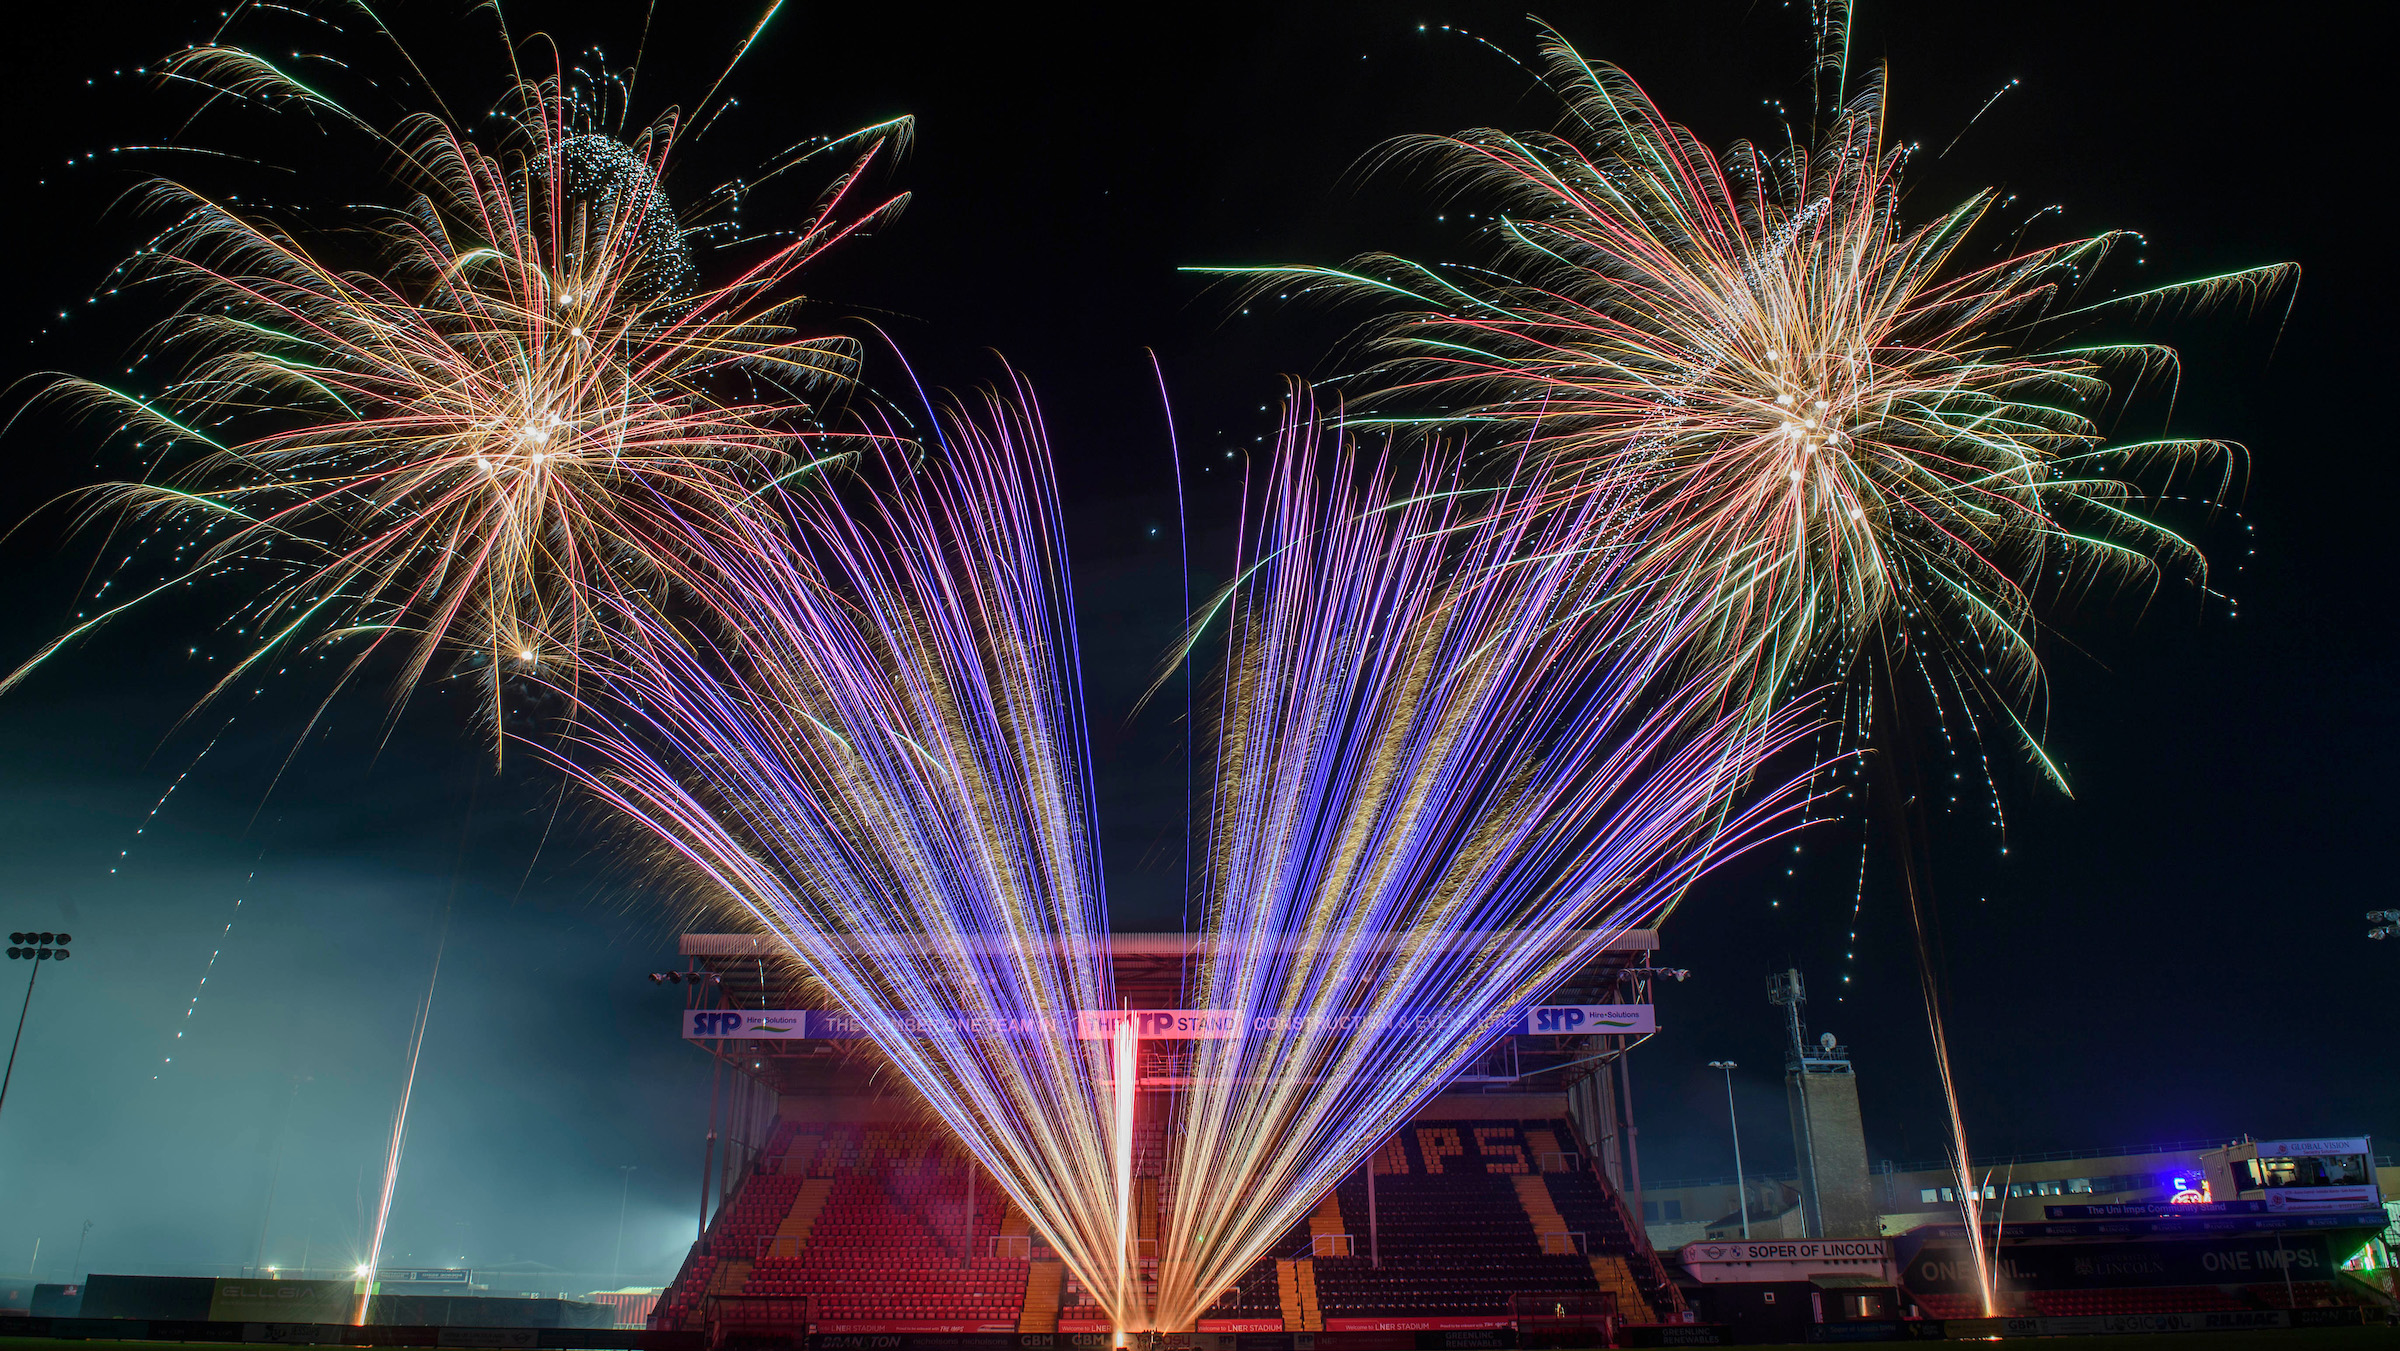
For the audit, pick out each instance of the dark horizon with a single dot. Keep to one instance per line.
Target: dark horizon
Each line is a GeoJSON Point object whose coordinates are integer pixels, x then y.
{"type": "Point", "coordinates": [2177, 952]}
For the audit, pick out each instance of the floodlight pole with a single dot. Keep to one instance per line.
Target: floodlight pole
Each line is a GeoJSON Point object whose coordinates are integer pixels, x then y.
{"type": "Point", "coordinates": [1741, 1185]}
{"type": "Point", "coordinates": [11, 1072]}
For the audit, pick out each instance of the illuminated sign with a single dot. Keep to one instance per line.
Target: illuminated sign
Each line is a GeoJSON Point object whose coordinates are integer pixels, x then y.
{"type": "Point", "coordinates": [1562, 1020]}
{"type": "Point", "coordinates": [1544, 1020]}
{"type": "Point", "coordinates": [2321, 1200]}
{"type": "Point", "coordinates": [1161, 1024]}
{"type": "Point", "coordinates": [2295, 1149]}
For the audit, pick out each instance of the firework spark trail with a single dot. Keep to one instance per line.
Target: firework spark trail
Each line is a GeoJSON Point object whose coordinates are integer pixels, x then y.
{"type": "Point", "coordinates": [399, 1137]}
{"type": "Point", "coordinates": [1424, 790]}
{"type": "Point", "coordinates": [1835, 428]}
{"type": "Point", "coordinates": [1454, 763]}
{"type": "Point", "coordinates": [529, 400]}
{"type": "Point", "coordinates": [192, 1006]}
{"type": "Point", "coordinates": [885, 766]}
{"type": "Point", "coordinates": [1845, 447]}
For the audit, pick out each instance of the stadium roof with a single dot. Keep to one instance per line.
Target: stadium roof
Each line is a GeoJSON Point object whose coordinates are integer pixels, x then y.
{"type": "Point", "coordinates": [1148, 968]}
{"type": "Point", "coordinates": [753, 971]}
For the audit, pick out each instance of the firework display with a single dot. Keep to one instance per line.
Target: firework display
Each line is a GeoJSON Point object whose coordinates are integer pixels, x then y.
{"type": "Point", "coordinates": [1828, 428]}
{"type": "Point", "coordinates": [1861, 457]}
{"type": "Point", "coordinates": [1717, 439]}
{"type": "Point", "coordinates": [887, 772]}
{"type": "Point", "coordinates": [1426, 798]}
{"type": "Point", "coordinates": [1450, 768]}
{"type": "Point", "coordinates": [510, 412]}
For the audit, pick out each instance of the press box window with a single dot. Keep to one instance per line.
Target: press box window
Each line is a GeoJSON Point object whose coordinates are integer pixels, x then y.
{"type": "Point", "coordinates": [2306, 1170]}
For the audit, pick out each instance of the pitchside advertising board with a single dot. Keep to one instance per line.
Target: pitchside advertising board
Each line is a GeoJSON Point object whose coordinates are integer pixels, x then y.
{"type": "Point", "coordinates": [1487, 1339]}
{"type": "Point", "coordinates": [1544, 1020]}
{"type": "Point", "coordinates": [2245, 1260]}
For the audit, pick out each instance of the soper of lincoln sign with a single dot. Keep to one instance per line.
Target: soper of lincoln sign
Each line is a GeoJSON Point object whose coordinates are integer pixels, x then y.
{"type": "Point", "coordinates": [1791, 1259]}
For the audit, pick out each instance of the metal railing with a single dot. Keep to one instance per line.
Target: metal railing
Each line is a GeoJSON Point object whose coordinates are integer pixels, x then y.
{"type": "Point", "coordinates": [1558, 1161]}
{"type": "Point", "coordinates": [1012, 1247]}
{"type": "Point", "coordinates": [1944, 1166]}
{"type": "Point", "coordinates": [1565, 1242]}
{"type": "Point", "coordinates": [726, 1317]}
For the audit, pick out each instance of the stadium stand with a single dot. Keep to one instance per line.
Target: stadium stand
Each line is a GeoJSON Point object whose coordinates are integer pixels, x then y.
{"type": "Point", "coordinates": [2299, 1295]}
{"type": "Point", "coordinates": [1952, 1306]}
{"type": "Point", "coordinates": [866, 1223]}
{"type": "Point", "coordinates": [857, 1213]}
{"type": "Point", "coordinates": [2166, 1299]}
{"type": "Point", "coordinates": [870, 1225]}
{"type": "Point", "coordinates": [1256, 1297]}
{"type": "Point", "coordinates": [1475, 1213]}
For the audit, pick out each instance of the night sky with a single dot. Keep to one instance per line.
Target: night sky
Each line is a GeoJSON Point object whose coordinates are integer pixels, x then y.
{"type": "Point", "coordinates": [2177, 953]}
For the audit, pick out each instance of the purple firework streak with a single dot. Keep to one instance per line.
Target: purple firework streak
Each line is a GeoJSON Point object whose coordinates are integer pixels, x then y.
{"type": "Point", "coordinates": [1453, 761]}
{"type": "Point", "coordinates": [883, 762]}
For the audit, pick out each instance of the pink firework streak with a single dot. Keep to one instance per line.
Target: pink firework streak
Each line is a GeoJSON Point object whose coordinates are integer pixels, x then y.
{"type": "Point", "coordinates": [1448, 771]}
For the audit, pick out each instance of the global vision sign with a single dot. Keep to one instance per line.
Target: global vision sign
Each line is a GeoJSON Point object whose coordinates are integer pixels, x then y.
{"type": "Point", "coordinates": [1542, 1020]}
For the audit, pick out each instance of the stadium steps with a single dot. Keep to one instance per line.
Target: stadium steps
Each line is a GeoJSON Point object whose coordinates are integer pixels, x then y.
{"type": "Point", "coordinates": [1617, 1279]}
{"type": "Point", "coordinates": [1544, 1145]}
{"type": "Point", "coordinates": [1610, 1224]}
{"type": "Point", "coordinates": [792, 1234]}
{"type": "Point", "coordinates": [729, 1277]}
{"type": "Point", "coordinates": [1328, 1236]}
{"type": "Point", "coordinates": [1296, 1288]}
{"type": "Point", "coordinates": [1042, 1282]}
{"type": "Point", "coordinates": [2367, 1287]}
{"type": "Point", "coordinates": [1145, 1210]}
{"type": "Point", "coordinates": [800, 1155]}
{"type": "Point", "coordinates": [1549, 1227]}
{"type": "Point", "coordinates": [1015, 1226]}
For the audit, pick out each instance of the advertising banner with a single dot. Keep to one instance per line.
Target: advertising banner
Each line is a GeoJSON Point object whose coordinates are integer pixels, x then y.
{"type": "Point", "coordinates": [820, 1025]}
{"type": "Point", "coordinates": [2175, 1210]}
{"type": "Point", "coordinates": [1946, 1267]}
{"type": "Point", "coordinates": [756, 1024]}
{"type": "Point", "coordinates": [1561, 1020]}
{"type": "Point", "coordinates": [1545, 1020]}
{"type": "Point", "coordinates": [2303, 1149]}
{"type": "Point", "coordinates": [2321, 1200]}
{"type": "Point", "coordinates": [1161, 1024]}
{"type": "Point", "coordinates": [255, 1301]}
{"type": "Point", "coordinates": [1738, 1260]}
